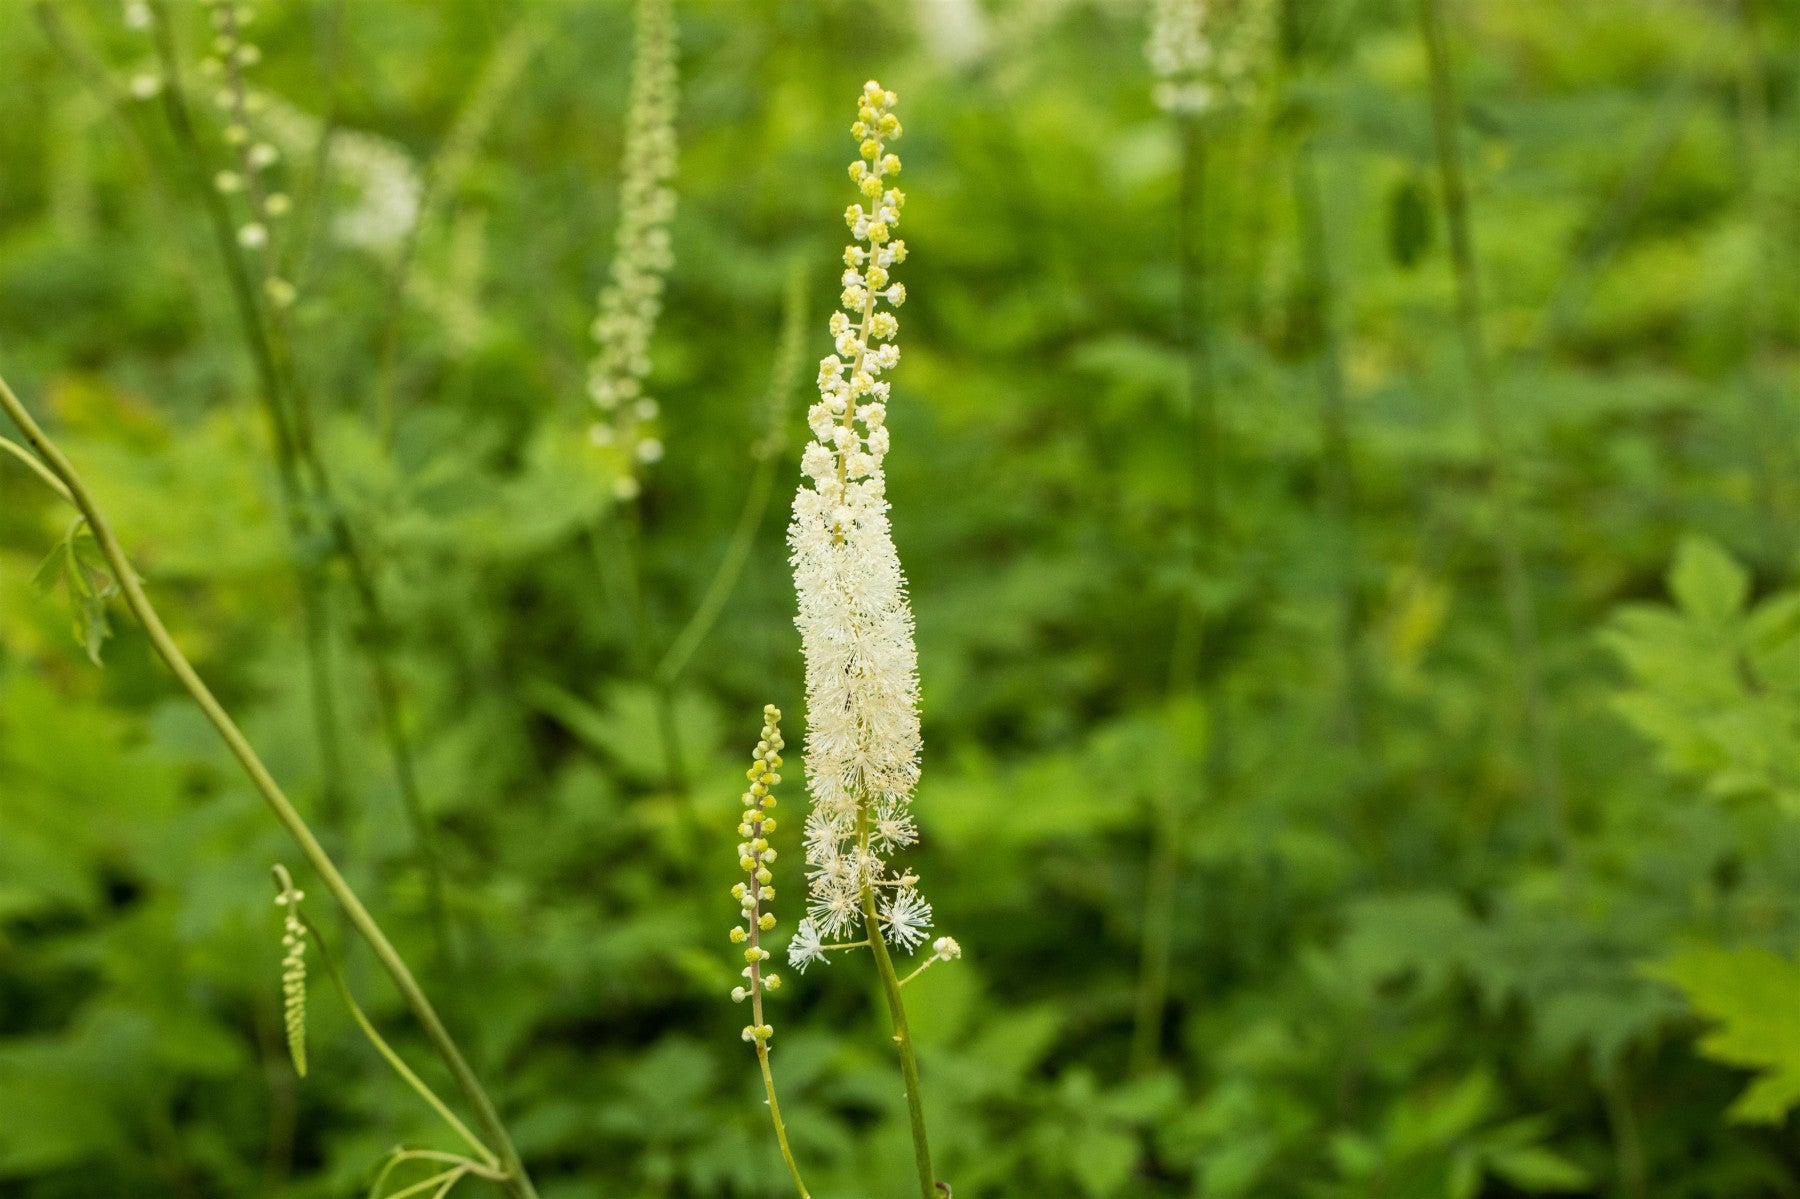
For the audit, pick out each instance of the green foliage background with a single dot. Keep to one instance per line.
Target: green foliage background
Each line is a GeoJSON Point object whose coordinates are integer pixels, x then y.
{"type": "Point", "coordinates": [1393, 974]}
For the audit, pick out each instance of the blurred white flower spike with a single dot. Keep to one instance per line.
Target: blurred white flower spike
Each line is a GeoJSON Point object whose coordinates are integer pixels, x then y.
{"type": "Point", "coordinates": [1206, 53]}
{"type": "Point", "coordinates": [632, 299]}
{"type": "Point", "coordinates": [856, 626]}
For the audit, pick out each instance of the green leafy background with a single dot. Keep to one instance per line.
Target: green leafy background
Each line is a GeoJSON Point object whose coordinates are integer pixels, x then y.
{"type": "Point", "coordinates": [1394, 971]}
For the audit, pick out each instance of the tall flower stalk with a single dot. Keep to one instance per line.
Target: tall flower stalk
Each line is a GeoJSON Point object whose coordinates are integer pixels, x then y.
{"type": "Point", "coordinates": [626, 424]}
{"type": "Point", "coordinates": [856, 625]}
{"type": "Point", "coordinates": [755, 856]}
{"type": "Point", "coordinates": [1203, 55]}
{"type": "Point", "coordinates": [1515, 579]}
{"type": "Point", "coordinates": [317, 525]}
{"type": "Point", "coordinates": [632, 299]}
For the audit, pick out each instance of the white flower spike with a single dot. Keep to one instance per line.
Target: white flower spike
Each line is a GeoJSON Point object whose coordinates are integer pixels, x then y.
{"type": "Point", "coordinates": [856, 626]}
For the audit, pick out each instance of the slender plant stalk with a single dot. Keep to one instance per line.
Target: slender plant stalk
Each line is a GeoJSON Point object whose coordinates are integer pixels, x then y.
{"type": "Point", "coordinates": [1774, 463]}
{"type": "Point", "coordinates": [762, 1056]}
{"type": "Point", "coordinates": [1187, 651]}
{"type": "Point", "coordinates": [1515, 580]}
{"type": "Point", "coordinates": [37, 468]}
{"type": "Point", "coordinates": [1334, 424]}
{"type": "Point", "coordinates": [441, 174]}
{"type": "Point", "coordinates": [306, 484]}
{"type": "Point", "coordinates": [387, 1052]}
{"type": "Point", "coordinates": [313, 608]}
{"type": "Point", "coordinates": [725, 578]}
{"type": "Point", "coordinates": [909, 1062]}
{"type": "Point", "coordinates": [784, 379]}
{"type": "Point", "coordinates": [517, 1182]}
{"type": "Point", "coordinates": [620, 572]}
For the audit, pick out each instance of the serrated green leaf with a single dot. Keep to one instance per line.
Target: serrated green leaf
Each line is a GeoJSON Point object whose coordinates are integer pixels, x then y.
{"type": "Point", "coordinates": [1708, 583]}
{"type": "Point", "coordinates": [1751, 996]}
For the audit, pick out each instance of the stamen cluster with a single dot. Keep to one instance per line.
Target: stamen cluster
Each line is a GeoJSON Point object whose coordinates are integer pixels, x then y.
{"type": "Point", "coordinates": [855, 622]}
{"type": "Point", "coordinates": [754, 856]}
{"type": "Point", "coordinates": [631, 302]}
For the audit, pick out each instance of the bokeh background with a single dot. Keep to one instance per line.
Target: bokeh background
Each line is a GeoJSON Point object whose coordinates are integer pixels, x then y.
{"type": "Point", "coordinates": [1201, 532]}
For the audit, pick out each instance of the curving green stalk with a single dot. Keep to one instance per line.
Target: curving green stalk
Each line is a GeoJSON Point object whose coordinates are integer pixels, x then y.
{"type": "Point", "coordinates": [517, 1182]}
{"type": "Point", "coordinates": [1502, 487]}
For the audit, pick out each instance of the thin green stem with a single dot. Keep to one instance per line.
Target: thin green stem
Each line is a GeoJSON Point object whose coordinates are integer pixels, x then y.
{"type": "Point", "coordinates": [724, 580]}
{"type": "Point", "coordinates": [787, 1153]}
{"type": "Point", "coordinates": [312, 606]}
{"type": "Point", "coordinates": [387, 1051]}
{"type": "Point", "coordinates": [928, 964]}
{"type": "Point", "coordinates": [1774, 463]}
{"type": "Point", "coordinates": [518, 1182]}
{"type": "Point", "coordinates": [302, 470]}
{"type": "Point", "coordinates": [909, 1062]}
{"type": "Point", "coordinates": [439, 177]}
{"type": "Point", "coordinates": [37, 468]}
{"type": "Point", "coordinates": [754, 923]}
{"type": "Point", "coordinates": [1187, 650]}
{"type": "Point", "coordinates": [784, 378]}
{"type": "Point", "coordinates": [1515, 580]}
{"type": "Point", "coordinates": [622, 572]}
{"type": "Point", "coordinates": [1334, 424]}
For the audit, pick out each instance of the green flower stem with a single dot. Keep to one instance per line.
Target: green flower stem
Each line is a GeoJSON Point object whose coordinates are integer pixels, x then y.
{"type": "Point", "coordinates": [909, 1062]}
{"type": "Point", "coordinates": [783, 381]}
{"type": "Point", "coordinates": [37, 468]}
{"type": "Point", "coordinates": [762, 1055]}
{"type": "Point", "coordinates": [387, 1051]}
{"type": "Point", "coordinates": [312, 596]}
{"type": "Point", "coordinates": [1334, 425]}
{"type": "Point", "coordinates": [1187, 652]}
{"type": "Point", "coordinates": [1515, 581]}
{"type": "Point", "coordinates": [518, 1183]}
{"type": "Point", "coordinates": [724, 580]}
{"type": "Point", "coordinates": [301, 468]}
{"type": "Point", "coordinates": [787, 1154]}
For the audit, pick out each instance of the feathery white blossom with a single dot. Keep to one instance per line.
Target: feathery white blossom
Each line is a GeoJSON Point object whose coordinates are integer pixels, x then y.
{"type": "Point", "coordinates": [381, 185]}
{"type": "Point", "coordinates": [856, 626]}
{"type": "Point", "coordinates": [1205, 52]}
{"type": "Point", "coordinates": [632, 300]}
{"type": "Point", "coordinates": [806, 947]}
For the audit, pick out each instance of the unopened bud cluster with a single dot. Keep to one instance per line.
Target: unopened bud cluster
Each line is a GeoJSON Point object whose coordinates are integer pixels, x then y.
{"type": "Point", "coordinates": [856, 625]}
{"type": "Point", "coordinates": [754, 856]}
{"type": "Point", "coordinates": [1205, 53]}
{"type": "Point", "coordinates": [632, 299]}
{"type": "Point", "coordinates": [293, 969]}
{"type": "Point", "coordinates": [253, 157]}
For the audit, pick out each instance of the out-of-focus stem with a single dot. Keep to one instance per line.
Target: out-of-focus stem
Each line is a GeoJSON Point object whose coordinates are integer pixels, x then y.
{"type": "Point", "coordinates": [320, 683]}
{"type": "Point", "coordinates": [1334, 423]}
{"type": "Point", "coordinates": [1186, 654]}
{"type": "Point", "coordinates": [304, 478]}
{"type": "Point", "coordinates": [1514, 578]}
